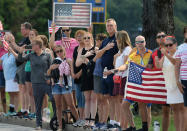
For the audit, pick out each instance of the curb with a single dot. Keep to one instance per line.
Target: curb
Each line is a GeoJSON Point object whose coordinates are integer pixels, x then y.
{"type": "Point", "coordinates": [32, 123]}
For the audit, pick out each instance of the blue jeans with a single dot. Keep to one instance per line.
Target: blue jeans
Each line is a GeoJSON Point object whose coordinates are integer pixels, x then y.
{"type": "Point", "coordinates": [79, 96]}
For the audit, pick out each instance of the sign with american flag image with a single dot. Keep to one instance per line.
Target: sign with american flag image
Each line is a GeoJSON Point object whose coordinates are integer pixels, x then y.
{"type": "Point", "coordinates": [72, 14]}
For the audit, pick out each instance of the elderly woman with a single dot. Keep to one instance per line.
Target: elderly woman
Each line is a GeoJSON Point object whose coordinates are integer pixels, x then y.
{"type": "Point", "coordinates": [174, 96]}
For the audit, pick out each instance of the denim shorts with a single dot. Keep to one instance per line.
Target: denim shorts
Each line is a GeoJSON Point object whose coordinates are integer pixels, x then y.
{"type": "Point", "coordinates": [79, 96]}
{"type": "Point", "coordinates": [58, 90]}
{"type": "Point", "coordinates": [2, 79]}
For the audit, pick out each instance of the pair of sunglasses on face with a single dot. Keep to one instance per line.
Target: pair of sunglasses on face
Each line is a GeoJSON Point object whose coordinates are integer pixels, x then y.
{"type": "Point", "coordinates": [139, 42]}
{"type": "Point", "coordinates": [67, 30]}
{"type": "Point", "coordinates": [58, 51]}
{"type": "Point", "coordinates": [160, 36]}
{"type": "Point", "coordinates": [168, 45]}
{"type": "Point", "coordinates": [87, 38]}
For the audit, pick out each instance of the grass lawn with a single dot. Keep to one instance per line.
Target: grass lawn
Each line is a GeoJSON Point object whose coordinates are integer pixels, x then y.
{"type": "Point", "coordinates": [137, 119]}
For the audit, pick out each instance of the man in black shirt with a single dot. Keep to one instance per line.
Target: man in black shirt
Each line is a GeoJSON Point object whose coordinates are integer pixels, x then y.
{"type": "Point", "coordinates": [20, 73]}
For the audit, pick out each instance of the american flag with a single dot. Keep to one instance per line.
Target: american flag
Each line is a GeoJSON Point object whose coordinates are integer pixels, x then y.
{"type": "Point", "coordinates": [50, 28]}
{"type": "Point", "coordinates": [72, 14]}
{"type": "Point", "coordinates": [145, 85]}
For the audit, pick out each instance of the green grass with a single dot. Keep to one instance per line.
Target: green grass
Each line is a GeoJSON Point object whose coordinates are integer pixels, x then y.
{"type": "Point", "coordinates": [158, 118]}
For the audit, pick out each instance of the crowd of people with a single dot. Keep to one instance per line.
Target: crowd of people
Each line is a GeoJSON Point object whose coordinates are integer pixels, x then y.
{"type": "Point", "coordinates": [88, 76]}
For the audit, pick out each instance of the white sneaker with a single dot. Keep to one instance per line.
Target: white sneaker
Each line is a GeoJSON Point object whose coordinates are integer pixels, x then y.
{"type": "Point", "coordinates": [76, 123]}
{"type": "Point", "coordinates": [81, 123]}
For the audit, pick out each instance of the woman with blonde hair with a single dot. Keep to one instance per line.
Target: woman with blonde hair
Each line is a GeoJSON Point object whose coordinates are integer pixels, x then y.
{"type": "Point", "coordinates": [124, 46]}
{"type": "Point", "coordinates": [84, 56]}
{"type": "Point", "coordinates": [62, 84]}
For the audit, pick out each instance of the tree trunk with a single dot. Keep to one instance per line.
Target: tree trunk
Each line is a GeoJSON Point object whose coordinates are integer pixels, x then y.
{"type": "Point", "coordinates": [157, 16]}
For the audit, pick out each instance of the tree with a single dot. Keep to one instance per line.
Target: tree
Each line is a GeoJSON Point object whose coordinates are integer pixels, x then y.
{"type": "Point", "coordinates": [157, 16]}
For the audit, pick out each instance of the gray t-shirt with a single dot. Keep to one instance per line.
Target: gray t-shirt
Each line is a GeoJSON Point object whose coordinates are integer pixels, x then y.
{"type": "Point", "coordinates": [39, 66]}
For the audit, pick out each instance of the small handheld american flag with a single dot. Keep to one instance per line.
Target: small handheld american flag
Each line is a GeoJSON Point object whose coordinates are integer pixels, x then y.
{"type": "Point", "coordinates": [145, 85]}
{"type": "Point", "coordinates": [50, 28]}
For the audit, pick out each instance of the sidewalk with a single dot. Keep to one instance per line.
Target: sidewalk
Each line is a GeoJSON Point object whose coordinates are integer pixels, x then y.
{"type": "Point", "coordinates": [31, 123]}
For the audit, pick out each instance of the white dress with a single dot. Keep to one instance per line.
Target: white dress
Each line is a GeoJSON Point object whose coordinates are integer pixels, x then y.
{"type": "Point", "coordinates": [174, 96]}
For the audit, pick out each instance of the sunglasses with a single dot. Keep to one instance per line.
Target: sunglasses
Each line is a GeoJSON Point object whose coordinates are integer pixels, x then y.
{"type": "Point", "coordinates": [59, 51]}
{"type": "Point", "coordinates": [169, 45]}
{"type": "Point", "coordinates": [160, 36]}
{"type": "Point", "coordinates": [67, 30]}
{"type": "Point", "coordinates": [86, 38]}
{"type": "Point", "coordinates": [139, 42]}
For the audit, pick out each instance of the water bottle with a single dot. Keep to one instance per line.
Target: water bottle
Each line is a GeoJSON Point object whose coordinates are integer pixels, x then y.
{"type": "Point", "coordinates": [46, 114]}
{"type": "Point", "coordinates": [156, 126]}
{"type": "Point", "coordinates": [105, 76]}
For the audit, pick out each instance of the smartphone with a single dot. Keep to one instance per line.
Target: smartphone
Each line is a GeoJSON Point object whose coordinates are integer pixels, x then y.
{"type": "Point", "coordinates": [28, 47]}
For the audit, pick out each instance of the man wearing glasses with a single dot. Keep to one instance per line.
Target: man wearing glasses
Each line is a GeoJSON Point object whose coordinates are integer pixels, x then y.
{"type": "Point", "coordinates": [141, 56]}
{"type": "Point", "coordinates": [160, 39]}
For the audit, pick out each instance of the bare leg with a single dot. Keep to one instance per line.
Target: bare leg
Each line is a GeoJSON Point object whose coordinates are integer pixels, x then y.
{"type": "Point", "coordinates": [149, 117]}
{"type": "Point", "coordinates": [185, 119]}
{"type": "Point", "coordinates": [22, 96]}
{"type": "Point", "coordinates": [99, 106]}
{"type": "Point", "coordinates": [177, 115]}
{"type": "Point", "coordinates": [128, 117]}
{"type": "Point", "coordinates": [112, 107]}
{"type": "Point", "coordinates": [105, 107]}
{"type": "Point", "coordinates": [165, 117]}
{"type": "Point", "coordinates": [58, 101]}
{"type": "Point", "coordinates": [93, 105]}
{"type": "Point", "coordinates": [3, 98]}
{"type": "Point", "coordinates": [87, 95]}
{"type": "Point", "coordinates": [16, 98]}
{"type": "Point", "coordinates": [117, 108]}
{"type": "Point", "coordinates": [70, 103]}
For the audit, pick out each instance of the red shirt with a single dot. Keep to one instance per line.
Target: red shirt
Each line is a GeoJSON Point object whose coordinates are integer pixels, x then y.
{"type": "Point", "coordinates": [158, 53]}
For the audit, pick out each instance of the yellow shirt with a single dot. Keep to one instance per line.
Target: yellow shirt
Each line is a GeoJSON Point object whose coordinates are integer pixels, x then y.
{"type": "Point", "coordinates": [136, 58]}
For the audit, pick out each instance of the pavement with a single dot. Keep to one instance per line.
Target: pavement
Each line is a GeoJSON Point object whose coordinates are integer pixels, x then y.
{"type": "Point", "coordinates": [11, 127]}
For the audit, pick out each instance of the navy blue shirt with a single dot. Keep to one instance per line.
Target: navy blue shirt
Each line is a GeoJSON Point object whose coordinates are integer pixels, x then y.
{"type": "Point", "coordinates": [108, 56]}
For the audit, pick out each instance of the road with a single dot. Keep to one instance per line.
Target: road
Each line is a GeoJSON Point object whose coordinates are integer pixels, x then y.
{"type": "Point", "coordinates": [10, 127]}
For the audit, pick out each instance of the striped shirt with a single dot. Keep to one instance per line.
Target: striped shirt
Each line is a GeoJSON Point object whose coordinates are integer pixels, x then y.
{"type": "Point", "coordinates": [182, 54]}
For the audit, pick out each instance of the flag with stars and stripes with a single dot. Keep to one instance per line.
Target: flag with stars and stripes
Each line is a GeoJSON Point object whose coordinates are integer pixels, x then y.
{"type": "Point", "coordinates": [50, 28]}
{"type": "Point", "coordinates": [145, 85]}
{"type": "Point", "coordinates": [72, 14]}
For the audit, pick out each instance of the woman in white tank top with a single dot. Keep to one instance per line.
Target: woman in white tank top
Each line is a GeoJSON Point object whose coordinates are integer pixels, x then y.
{"type": "Point", "coordinates": [174, 96]}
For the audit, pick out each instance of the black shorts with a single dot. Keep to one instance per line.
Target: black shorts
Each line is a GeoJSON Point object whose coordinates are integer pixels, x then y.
{"type": "Point", "coordinates": [184, 82]}
{"type": "Point", "coordinates": [27, 76]}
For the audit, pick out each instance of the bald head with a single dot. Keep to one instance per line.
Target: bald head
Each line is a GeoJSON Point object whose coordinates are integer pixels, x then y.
{"type": "Point", "coordinates": [140, 42]}
{"type": "Point", "coordinates": [140, 38]}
